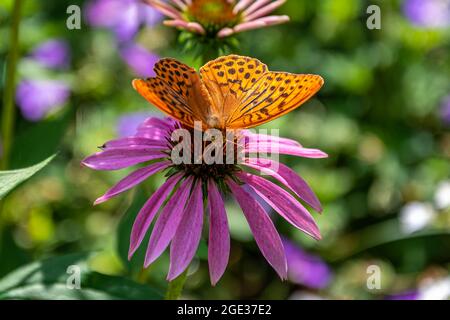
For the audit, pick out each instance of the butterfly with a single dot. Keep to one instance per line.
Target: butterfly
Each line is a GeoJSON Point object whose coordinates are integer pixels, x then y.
{"type": "Point", "coordinates": [230, 92]}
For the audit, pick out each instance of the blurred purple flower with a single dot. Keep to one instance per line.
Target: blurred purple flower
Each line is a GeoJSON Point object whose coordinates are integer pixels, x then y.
{"type": "Point", "coordinates": [139, 59]}
{"type": "Point", "coordinates": [36, 98]}
{"type": "Point", "coordinates": [123, 17]}
{"type": "Point", "coordinates": [53, 53]}
{"type": "Point", "coordinates": [445, 110]}
{"type": "Point", "coordinates": [128, 123]}
{"type": "Point", "coordinates": [428, 13]}
{"type": "Point", "coordinates": [304, 268]}
{"type": "Point", "coordinates": [408, 295]}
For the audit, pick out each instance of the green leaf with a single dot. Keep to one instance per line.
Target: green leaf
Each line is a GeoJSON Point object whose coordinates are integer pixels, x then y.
{"type": "Point", "coordinates": [12, 255]}
{"type": "Point", "coordinates": [34, 142]}
{"type": "Point", "coordinates": [57, 291]}
{"type": "Point", "coordinates": [95, 286]}
{"type": "Point", "coordinates": [47, 280]}
{"type": "Point", "coordinates": [136, 264]}
{"type": "Point", "coordinates": [47, 271]}
{"type": "Point", "coordinates": [11, 178]}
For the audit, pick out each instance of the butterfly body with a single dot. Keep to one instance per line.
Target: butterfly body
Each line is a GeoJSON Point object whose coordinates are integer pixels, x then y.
{"type": "Point", "coordinates": [231, 92]}
{"type": "Point", "coordinates": [213, 121]}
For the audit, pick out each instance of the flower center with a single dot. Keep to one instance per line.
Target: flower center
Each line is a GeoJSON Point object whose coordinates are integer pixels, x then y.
{"type": "Point", "coordinates": [218, 172]}
{"type": "Point", "coordinates": [205, 158]}
{"type": "Point", "coordinates": [212, 14]}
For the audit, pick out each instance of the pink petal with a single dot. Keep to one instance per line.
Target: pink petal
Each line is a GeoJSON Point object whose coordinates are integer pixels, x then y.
{"type": "Point", "coordinates": [167, 223]}
{"type": "Point", "coordinates": [241, 5]}
{"type": "Point", "coordinates": [177, 23]}
{"type": "Point", "coordinates": [165, 124]}
{"type": "Point", "coordinates": [250, 25]}
{"type": "Point", "coordinates": [219, 235]}
{"type": "Point", "coordinates": [265, 10]}
{"type": "Point", "coordinates": [135, 141]}
{"type": "Point", "coordinates": [187, 236]}
{"type": "Point", "coordinates": [155, 128]}
{"type": "Point", "coordinates": [266, 236]}
{"type": "Point", "coordinates": [260, 23]}
{"type": "Point", "coordinates": [148, 212]}
{"type": "Point", "coordinates": [197, 27]}
{"type": "Point", "coordinates": [133, 179]}
{"type": "Point", "coordinates": [273, 20]}
{"type": "Point", "coordinates": [190, 26]}
{"type": "Point", "coordinates": [288, 177]}
{"type": "Point", "coordinates": [284, 149]}
{"type": "Point", "coordinates": [225, 32]}
{"type": "Point", "coordinates": [265, 138]}
{"type": "Point", "coordinates": [255, 6]}
{"type": "Point", "coordinates": [164, 8]}
{"type": "Point", "coordinates": [119, 158]}
{"type": "Point", "coordinates": [152, 133]}
{"type": "Point", "coordinates": [180, 4]}
{"type": "Point", "coordinates": [283, 202]}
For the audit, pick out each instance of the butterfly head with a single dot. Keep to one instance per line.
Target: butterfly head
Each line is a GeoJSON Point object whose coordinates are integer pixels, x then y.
{"type": "Point", "coordinates": [213, 122]}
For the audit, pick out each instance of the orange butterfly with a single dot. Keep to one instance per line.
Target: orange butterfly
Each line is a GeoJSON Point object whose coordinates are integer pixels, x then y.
{"type": "Point", "coordinates": [233, 92]}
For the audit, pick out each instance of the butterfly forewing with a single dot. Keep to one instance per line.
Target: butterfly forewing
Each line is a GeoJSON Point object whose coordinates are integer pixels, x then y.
{"type": "Point", "coordinates": [177, 91]}
{"type": "Point", "coordinates": [159, 94]}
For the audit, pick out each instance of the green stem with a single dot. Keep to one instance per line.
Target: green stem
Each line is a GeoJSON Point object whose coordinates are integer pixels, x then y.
{"type": "Point", "coordinates": [208, 55]}
{"type": "Point", "coordinates": [9, 110]}
{"type": "Point", "coordinates": [176, 286]}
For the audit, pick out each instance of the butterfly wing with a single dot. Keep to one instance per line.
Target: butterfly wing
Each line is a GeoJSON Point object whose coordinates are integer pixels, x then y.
{"type": "Point", "coordinates": [228, 80]}
{"type": "Point", "coordinates": [246, 94]}
{"type": "Point", "coordinates": [177, 91]}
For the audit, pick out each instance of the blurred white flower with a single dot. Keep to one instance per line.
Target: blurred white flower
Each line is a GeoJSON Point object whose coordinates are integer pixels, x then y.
{"type": "Point", "coordinates": [442, 195]}
{"type": "Point", "coordinates": [435, 290]}
{"type": "Point", "coordinates": [415, 216]}
{"type": "Point", "coordinates": [304, 295]}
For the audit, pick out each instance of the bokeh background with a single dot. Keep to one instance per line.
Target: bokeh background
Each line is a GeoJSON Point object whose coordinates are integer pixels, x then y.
{"type": "Point", "coordinates": [383, 117]}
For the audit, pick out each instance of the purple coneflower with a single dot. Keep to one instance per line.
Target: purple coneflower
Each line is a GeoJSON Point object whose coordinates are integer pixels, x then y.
{"type": "Point", "coordinates": [220, 18]}
{"type": "Point", "coordinates": [190, 189]}
{"type": "Point", "coordinates": [123, 17]}
{"type": "Point", "coordinates": [37, 98]}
